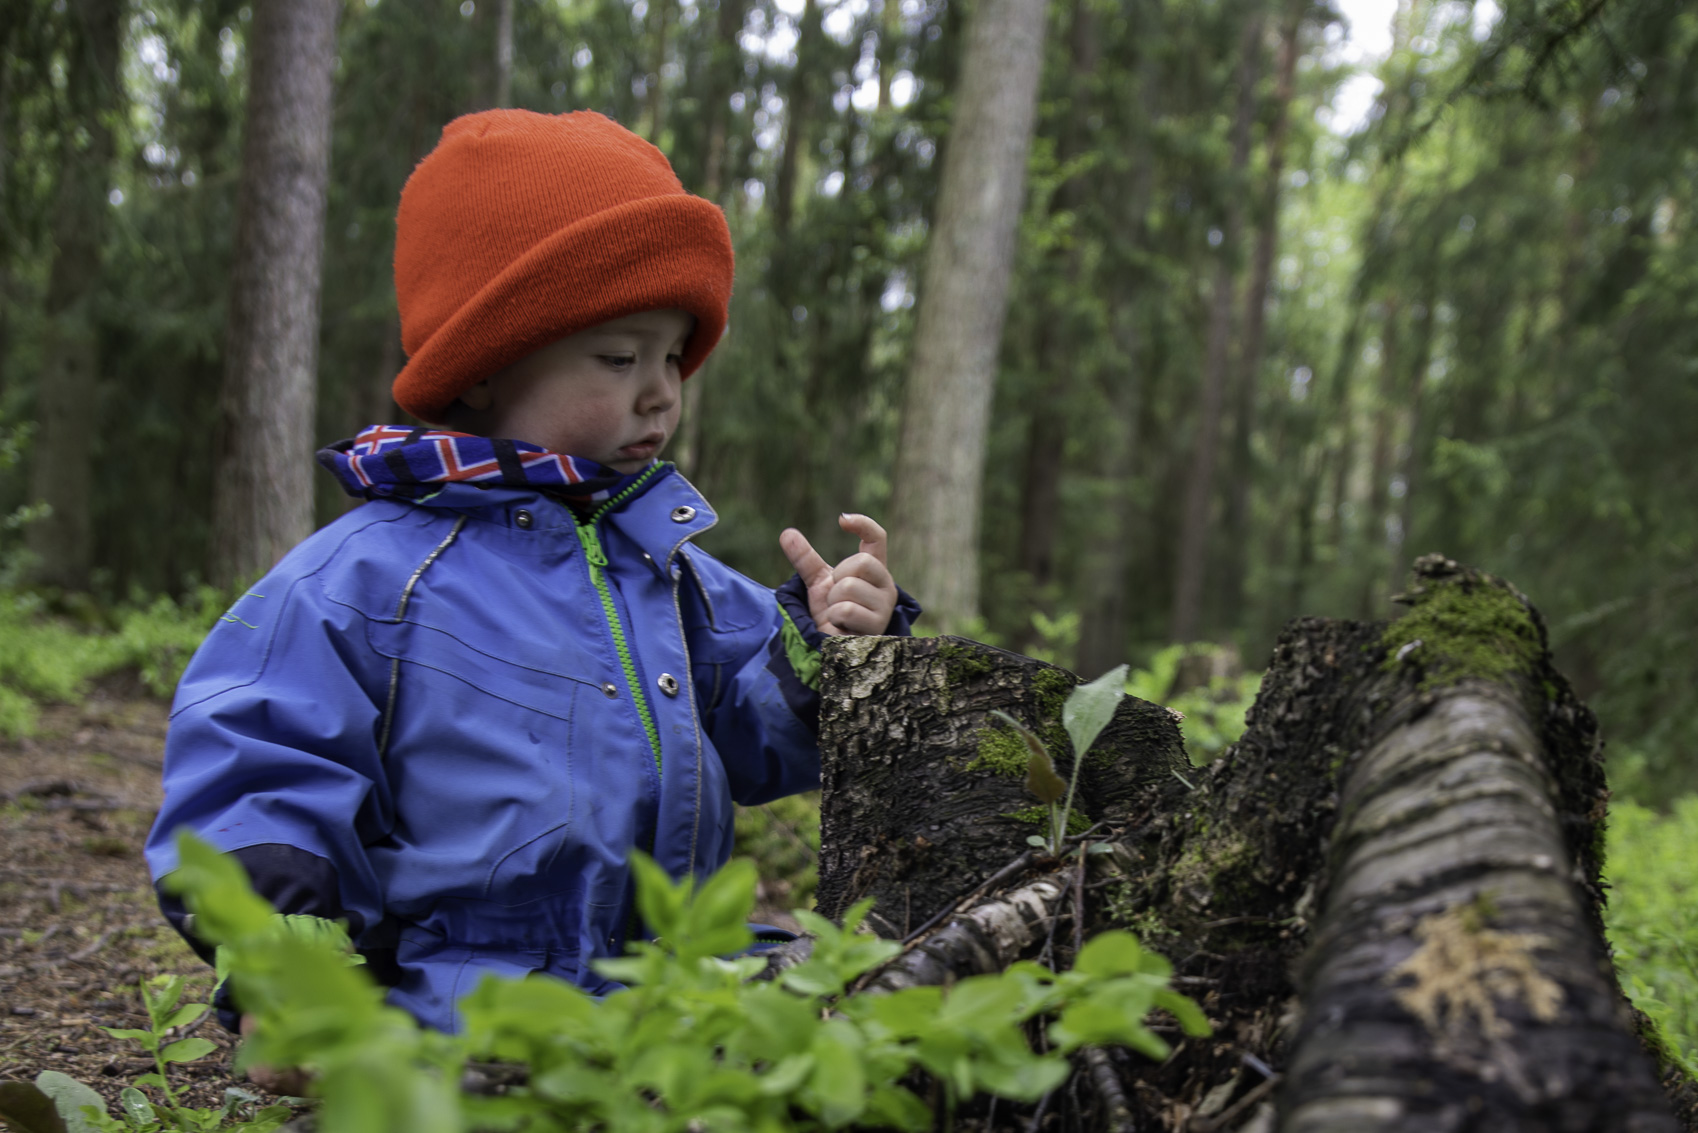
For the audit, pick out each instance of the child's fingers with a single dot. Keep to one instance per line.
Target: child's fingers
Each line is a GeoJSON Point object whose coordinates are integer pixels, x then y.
{"type": "Point", "coordinates": [861, 592]}
{"type": "Point", "coordinates": [864, 566]}
{"type": "Point", "coordinates": [802, 555]}
{"type": "Point", "coordinates": [854, 618]}
{"type": "Point", "coordinates": [867, 529]}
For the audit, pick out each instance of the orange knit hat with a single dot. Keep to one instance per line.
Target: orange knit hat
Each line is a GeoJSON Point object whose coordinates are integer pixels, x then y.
{"type": "Point", "coordinates": [519, 229]}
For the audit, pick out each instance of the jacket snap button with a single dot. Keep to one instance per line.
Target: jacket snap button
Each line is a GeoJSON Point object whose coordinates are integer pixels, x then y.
{"type": "Point", "coordinates": [683, 514]}
{"type": "Point", "coordinates": [523, 519]}
{"type": "Point", "coordinates": [668, 684]}
{"type": "Point", "coordinates": [611, 690]}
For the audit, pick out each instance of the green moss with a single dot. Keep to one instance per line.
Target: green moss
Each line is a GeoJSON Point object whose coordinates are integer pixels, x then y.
{"type": "Point", "coordinates": [1039, 816]}
{"type": "Point", "coordinates": [961, 662]}
{"type": "Point", "coordinates": [1001, 752]}
{"type": "Point", "coordinates": [1462, 630]}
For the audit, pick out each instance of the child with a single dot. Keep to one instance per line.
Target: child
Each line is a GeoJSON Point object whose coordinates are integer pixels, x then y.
{"type": "Point", "coordinates": [448, 717]}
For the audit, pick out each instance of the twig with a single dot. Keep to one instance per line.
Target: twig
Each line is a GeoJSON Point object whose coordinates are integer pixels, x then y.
{"type": "Point", "coordinates": [97, 945]}
{"type": "Point", "coordinates": [1012, 869]}
{"type": "Point", "coordinates": [1118, 1113]}
{"type": "Point", "coordinates": [1225, 1118]}
{"type": "Point", "coordinates": [1037, 1121]}
{"type": "Point", "coordinates": [1079, 908]}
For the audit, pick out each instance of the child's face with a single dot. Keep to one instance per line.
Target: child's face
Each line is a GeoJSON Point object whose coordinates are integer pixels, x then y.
{"type": "Point", "coordinates": [609, 393]}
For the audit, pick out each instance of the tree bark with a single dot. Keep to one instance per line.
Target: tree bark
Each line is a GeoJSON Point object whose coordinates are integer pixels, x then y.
{"type": "Point", "coordinates": [262, 498]}
{"type": "Point", "coordinates": [1385, 896]}
{"type": "Point", "coordinates": [963, 298]}
{"type": "Point", "coordinates": [62, 475]}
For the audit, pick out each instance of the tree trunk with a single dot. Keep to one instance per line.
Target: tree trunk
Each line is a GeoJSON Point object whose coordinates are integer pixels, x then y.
{"type": "Point", "coordinates": [67, 415]}
{"type": "Point", "coordinates": [963, 297]}
{"type": "Point", "coordinates": [1197, 517]}
{"type": "Point", "coordinates": [1385, 896]}
{"type": "Point", "coordinates": [1249, 363]}
{"type": "Point", "coordinates": [262, 495]}
{"type": "Point", "coordinates": [504, 54]}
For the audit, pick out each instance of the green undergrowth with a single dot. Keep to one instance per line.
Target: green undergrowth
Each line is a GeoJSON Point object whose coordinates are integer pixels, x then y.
{"type": "Point", "coordinates": [1214, 714]}
{"type": "Point", "coordinates": [46, 657]}
{"type": "Point", "coordinates": [687, 1045]}
{"type": "Point", "coordinates": [1652, 917]}
{"type": "Point", "coordinates": [1456, 631]}
{"type": "Point", "coordinates": [782, 838]}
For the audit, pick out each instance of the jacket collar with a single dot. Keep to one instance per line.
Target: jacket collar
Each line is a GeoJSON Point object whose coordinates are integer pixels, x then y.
{"type": "Point", "coordinates": [665, 512]}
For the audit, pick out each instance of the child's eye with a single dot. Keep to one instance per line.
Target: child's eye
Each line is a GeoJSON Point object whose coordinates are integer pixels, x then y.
{"type": "Point", "coordinates": [674, 359]}
{"type": "Point", "coordinates": [619, 361]}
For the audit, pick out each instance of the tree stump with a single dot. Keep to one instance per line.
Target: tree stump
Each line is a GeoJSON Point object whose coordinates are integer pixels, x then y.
{"type": "Point", "coordinates": [1385, 895]}
{"type": "Point", "coordinates": [923, 793]}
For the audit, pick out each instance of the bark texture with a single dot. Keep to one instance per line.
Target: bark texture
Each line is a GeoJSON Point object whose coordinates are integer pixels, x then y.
{"type": "Point", "coordinates": [262, 494]}
{"type": "Point", "coordinates": [1385, 896]}
{"type": "Point", "coordinates": [923, 793]}
{"type": "Point", "coordinates": [963, 298]}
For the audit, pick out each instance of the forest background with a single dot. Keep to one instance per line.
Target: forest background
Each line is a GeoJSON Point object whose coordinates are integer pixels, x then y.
{"type": "Point", "coordinates": [1256, 356]}
{"type": "Point", "coordinates": [1467, 324]}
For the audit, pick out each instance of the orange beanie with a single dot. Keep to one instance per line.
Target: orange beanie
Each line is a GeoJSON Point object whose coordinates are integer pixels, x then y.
{"type": "Point", "coordinates": [520, 229]}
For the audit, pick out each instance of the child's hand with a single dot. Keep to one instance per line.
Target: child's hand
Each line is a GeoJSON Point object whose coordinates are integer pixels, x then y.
{"type": "Point", "coordinates": [858, 594]}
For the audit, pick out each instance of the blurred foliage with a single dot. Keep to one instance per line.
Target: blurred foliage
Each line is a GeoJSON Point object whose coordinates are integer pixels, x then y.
{"type": "Point", "coordinates": [1481, 312]}
{"type": "Point", "coordinates": [51, 648]}
{"type": "Point", "coordinates": [783, 839]}
{"type": "Point", "coordinates": [1652, 917]}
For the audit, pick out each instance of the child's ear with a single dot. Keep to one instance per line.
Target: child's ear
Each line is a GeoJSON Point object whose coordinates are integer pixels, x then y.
{"type": "Point", "coordinates": [477, 398]}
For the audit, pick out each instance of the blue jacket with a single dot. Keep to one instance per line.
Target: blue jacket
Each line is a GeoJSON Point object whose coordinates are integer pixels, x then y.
{"type": "Point", "coordinates": [429, 721]}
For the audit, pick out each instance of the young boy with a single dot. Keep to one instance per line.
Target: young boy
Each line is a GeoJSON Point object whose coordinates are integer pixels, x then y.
{"type": "Point", "coordinates": [447, 718]}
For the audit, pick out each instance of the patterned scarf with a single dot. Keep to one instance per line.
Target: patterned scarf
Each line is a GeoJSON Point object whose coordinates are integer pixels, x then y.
{"type": "Point", "coordinates": [394, 461]}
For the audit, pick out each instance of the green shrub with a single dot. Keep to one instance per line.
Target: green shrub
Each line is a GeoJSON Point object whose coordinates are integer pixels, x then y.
{"type": "Point", "coordinates": [44, 658]}
{"type": "Point", "coordinates": [1652, 917]}
{"type": "Point", "coordinates": [1214, 716]}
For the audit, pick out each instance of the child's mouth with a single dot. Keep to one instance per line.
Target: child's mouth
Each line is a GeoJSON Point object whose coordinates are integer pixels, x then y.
{"type": "Point", "coordinates": [646, 447]}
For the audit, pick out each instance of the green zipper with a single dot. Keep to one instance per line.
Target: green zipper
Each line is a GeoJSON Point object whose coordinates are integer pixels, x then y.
{"type": "Point", "coordinates": [591, 539]}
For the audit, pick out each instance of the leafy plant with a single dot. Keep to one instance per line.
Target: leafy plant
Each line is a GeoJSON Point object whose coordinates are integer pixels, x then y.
{"type": "Point", "coordinates": [689, 1043]}
{"type": "Point", "coordinates": [58, 1103]}
{"type": "Point", "coordinates": [1085, 713]}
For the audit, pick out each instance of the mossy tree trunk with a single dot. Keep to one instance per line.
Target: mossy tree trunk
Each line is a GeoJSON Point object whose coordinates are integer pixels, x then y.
{"type": "Point", "coordinates": [1385, 895]}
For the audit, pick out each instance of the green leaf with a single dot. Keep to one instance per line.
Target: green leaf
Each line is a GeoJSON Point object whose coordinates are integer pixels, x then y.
{"type": "Point", "coordinates": [185, 1015]}
{"type": "Point", "coordinates": [1185, 1009]}
{"type": "Point", "coordinates": [137, 1108]}
{"type": "Point", "coordinates": [1090, 707]}
{"type": "Point", "coordinates": [786, 1075]}
{"type": "Point", "coordinates": [1112, 953]}
{"type": "Point", "coordinates": [659, 899]}
{"type": "Point", "coordinates": [69, 1096]}
{"type": "Point", "coordinates": [839, 1080]}
{"type": "Point", "coordinates": [187, 1050]}
{"type": "Point", "coordinates": [135, 1035]}
{"type": "Point", "coordinates": [27, 1109]}
{"type": "Point", "coordinates": [1036, 840]}
{"type": "Point", "coordinates": [1041, 778]}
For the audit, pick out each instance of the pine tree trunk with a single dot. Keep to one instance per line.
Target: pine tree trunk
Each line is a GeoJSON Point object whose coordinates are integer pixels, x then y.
{"type": "Point", "coordinates": [263, 499]}
{"type": "Point", "coordinates": [963, 298]}
{"type": "Point", "coordinates": [1386, 896]}
{"type": "Point", "coordinates": [1198, 515]}
{"type": "Point", "coordinates": [67, 413]}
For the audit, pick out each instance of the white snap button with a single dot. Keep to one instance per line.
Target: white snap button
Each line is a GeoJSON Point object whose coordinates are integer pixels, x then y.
{"type": "Point", "coordinates": [683, 514]}
{"type": "Point", "coordinates": [668, 684]}
{"type": "Point", "coordinates": [611, 690]}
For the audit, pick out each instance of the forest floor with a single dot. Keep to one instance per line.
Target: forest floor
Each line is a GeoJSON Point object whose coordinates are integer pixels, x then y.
{"type": "Point", "coordinates": [79, 928]}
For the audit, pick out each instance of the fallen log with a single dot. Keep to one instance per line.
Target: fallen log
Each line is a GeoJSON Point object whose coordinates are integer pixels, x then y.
{"type": "Point", "coordinates": [1385, 895]}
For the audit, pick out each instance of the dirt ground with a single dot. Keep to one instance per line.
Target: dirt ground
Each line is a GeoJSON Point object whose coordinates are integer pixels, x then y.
{"type": "Point", "coordinates": [79, 929]}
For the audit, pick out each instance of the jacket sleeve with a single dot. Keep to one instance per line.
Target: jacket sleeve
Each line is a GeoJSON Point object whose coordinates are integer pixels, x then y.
{"type": "Point", "coordinates": [272, 754]}
{"type": "Point", "coordinates": [762, 710]}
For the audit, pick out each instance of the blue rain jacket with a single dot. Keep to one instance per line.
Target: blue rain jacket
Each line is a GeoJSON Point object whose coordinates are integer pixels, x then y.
{"type": "Point", "coordinates": [422, 722]}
